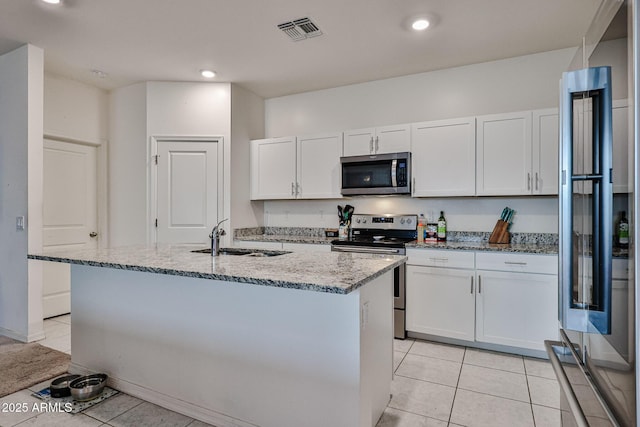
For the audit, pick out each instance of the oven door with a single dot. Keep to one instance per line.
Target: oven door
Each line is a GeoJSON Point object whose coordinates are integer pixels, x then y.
{"type": "Point", "coordinates": [377, 174]}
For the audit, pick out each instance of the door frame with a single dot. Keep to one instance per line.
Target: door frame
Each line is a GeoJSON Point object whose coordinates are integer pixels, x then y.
{"type": "Point", "coordinates": [152, 188]}
{"type": "Point", "coordinates": [102, 207]}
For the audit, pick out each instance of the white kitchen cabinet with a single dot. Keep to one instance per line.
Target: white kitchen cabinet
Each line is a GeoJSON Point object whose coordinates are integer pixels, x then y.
{"type": "Point", "coordinates": [620, 144]}
{"type": "Point", "coordinates": [545, 145]}
{"type": "Point", "coordinates": [518, 306]}
{"type": "Point", "coordinates": [318, 166]}
{"type": "Point", "coordinates": [440, 302]}
{"type": "Point", "coordinates": [378, 140]}
{"type": "Point", "coordinates": [443, 156]}
{"type": "Point", "coordinates": [441, 299]}
{"type": "Point", "coordinates": [273, 168]}
{"type": "Point", "coordinates": [503, 154]}
{"type": "Point", "coordinates": [304, 167]}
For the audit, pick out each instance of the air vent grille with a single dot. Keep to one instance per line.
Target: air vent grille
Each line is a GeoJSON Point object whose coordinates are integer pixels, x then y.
{"type": "Point", "coordinates": [300, 29]}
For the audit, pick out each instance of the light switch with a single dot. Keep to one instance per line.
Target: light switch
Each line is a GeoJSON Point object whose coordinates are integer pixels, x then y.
{"type": "Point", "coordinates": [19, 223]}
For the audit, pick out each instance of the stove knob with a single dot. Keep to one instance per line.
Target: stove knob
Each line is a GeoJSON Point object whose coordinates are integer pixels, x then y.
{"type": "Point", "coordinates": [364, 221]}
{"type": "Point", "coordinates": [358, 220]}
{"type": "Point", "coordinates": [409, 221]}
{"type": "Point", "coordinates": [402, 221]}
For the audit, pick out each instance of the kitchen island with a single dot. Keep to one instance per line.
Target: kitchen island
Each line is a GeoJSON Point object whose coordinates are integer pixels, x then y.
{"type": "Point", "coordinates": [290, 340]}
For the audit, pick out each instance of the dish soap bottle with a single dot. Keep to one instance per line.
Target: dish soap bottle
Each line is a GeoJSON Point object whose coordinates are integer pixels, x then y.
{"type": "Point", "coordinates": [442, 228]}
{"type": "Point", "coordinates": [420, 231]}
{"type": "Point", "coordinates": [623, 230]}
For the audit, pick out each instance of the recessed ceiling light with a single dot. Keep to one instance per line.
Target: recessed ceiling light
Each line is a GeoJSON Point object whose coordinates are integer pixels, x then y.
{"type": "Point", "coordinates": [420, 24]}
{"type": "Point", "coordinates": [52, 1]}
{"type": "Point", "coordinates": [208, 74]}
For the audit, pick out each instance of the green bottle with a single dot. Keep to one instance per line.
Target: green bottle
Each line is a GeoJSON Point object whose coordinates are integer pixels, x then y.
{"type": "Point", "coordinates": [623, 230]}
{"type": "Point", "coordinates": [442, 228]}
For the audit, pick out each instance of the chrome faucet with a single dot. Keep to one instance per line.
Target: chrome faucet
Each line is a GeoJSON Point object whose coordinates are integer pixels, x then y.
{"type": "Point", "coordinates": [216, 232]}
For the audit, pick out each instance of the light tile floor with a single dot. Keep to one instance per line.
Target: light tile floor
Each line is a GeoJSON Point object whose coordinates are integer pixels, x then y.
{"type": "Point", "coordinates": [435, 385]}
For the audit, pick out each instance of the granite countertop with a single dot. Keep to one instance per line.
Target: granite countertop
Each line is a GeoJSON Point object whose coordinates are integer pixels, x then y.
{"type": "Point", "coordinates": [333, 272]}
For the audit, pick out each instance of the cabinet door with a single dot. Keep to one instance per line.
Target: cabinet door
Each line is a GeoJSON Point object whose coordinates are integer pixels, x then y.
{"type": "Point", "coordinates": [444, 158]}
{"type": "Point", "coordinates": [545, 151]}
{"type": "Point", "coordinates": [273, 168]}
{"type": "Point", "coordinates": [503, 144]}
{"type": "Point", "coordinates": [516, 309]}
{"type": "Point", "coordinates": [319, 166]}
{"type": "Point", "coordinates": [359, 142]}
{"type": "Point", "coordinates": [620, 147]}
{"type": "Point", "coordinates": [440, 301]}
{"type": "Point", "coordinates": [392, 139]}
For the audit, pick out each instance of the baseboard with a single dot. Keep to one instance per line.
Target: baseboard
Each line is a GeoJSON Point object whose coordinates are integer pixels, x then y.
{"type": "Point", "coordinates": [185, 408]}
{"type": "Point", "coordinates": [21, 337]}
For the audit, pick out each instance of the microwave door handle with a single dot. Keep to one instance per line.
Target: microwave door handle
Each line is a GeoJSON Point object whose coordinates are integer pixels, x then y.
{"type": "Point", "coordinates": [394, 172]}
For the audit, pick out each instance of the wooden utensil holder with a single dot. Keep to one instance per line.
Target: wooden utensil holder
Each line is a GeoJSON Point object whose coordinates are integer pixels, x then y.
{"type": "Point", "coordinates": [500, 233]}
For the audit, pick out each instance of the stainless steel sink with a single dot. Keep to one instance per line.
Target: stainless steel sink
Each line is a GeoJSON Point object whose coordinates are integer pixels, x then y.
{"type": "Point", "coordinates": [243, 252]}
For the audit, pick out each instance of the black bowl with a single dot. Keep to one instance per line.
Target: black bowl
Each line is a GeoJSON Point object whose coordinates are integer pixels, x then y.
{"type": "Point", "coordinates": [60, 386]}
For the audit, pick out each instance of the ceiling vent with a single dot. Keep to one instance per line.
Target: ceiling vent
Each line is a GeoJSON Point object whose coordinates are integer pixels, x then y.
{"type": "Point", "coordinates": [300, 29]}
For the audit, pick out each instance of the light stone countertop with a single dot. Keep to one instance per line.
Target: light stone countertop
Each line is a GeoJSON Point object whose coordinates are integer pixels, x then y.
{"type": "Point", "coordinates": [527, 248]}
{"type": "Point", "coordinates": [333, 272]}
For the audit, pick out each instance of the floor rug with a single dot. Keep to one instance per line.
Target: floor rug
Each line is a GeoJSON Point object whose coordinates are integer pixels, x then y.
{"type": "Point", "coordinates": [25, 364]}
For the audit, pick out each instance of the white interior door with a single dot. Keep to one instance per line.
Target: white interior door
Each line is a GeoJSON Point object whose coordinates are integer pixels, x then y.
{"type": "Point", "coordinates": [70, 216]}
{"type": "Point", "coordinates": [189, 190]}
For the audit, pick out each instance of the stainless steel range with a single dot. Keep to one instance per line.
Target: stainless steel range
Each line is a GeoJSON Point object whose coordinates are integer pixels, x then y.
{"type": "Point", "coordinates": [383, 234]}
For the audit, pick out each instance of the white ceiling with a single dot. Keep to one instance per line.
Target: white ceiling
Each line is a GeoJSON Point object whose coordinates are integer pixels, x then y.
{"type": "Point", "coordinates": [363, 40]}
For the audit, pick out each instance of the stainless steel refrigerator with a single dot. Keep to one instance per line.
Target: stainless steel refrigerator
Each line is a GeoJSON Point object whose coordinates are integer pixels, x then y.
{"type": "Point", "coordinates": [595, 357]}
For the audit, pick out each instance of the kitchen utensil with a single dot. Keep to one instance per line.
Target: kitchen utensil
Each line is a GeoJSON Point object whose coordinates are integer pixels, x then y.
{"type": "Point", "coordinates": [87, 387]}
{"type": "Point", "coordinates": [500, 232]}
{"type": "Point", "coordinates": [60, 386]}
{"type": "Point", "coordinates": [340, 214]}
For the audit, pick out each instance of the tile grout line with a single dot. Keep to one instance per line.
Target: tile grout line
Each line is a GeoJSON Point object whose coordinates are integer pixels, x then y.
{"type": "Point", "coordinates": [455, 392]}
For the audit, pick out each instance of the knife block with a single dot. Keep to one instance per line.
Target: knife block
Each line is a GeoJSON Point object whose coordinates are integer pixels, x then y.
{"type": "Point", "coordinates": [500, 233]}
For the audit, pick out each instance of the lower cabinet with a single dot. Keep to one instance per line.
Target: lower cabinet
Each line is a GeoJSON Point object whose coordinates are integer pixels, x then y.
{"type": "Point", "coordinates": [497, 298]}
{"type": "Point", "coordinates": [441, 301]}
{"type": "Point", "coordinates": [516, 309]}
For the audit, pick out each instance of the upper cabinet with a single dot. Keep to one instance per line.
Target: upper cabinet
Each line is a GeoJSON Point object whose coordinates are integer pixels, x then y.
{"type": "Point", "coordinates": [379, 140]}
{"type": "Point", "coordinates": [273, 168]}
{"type": "Point", "coordinates": [503, 163]}
{"type": "Point", "coordinates": [544, 170]}
{"type": "Point", "coordinates": [443, 155]}
{"type": "Point", "coordinates": [517, 153]}
{"type": "Point", "coordinates": [306, 167]}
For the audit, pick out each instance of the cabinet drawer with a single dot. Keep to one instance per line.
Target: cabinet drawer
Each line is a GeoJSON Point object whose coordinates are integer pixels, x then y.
{"type": "Point", "coordinates": [441, 258]}
{"type": "Point", "coordinates": [525, 263]}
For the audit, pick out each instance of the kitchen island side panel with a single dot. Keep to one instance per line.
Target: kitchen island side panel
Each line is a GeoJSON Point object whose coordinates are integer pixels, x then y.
{"type": "Point", "coordinates": [232, 353]}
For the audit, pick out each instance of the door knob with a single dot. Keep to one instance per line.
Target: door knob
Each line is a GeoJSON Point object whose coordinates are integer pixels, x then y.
{"type": "Point", "coordinates": [93, 234]}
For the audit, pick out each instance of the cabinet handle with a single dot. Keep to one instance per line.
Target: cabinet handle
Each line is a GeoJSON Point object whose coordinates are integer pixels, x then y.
{"type": "Point", "coordinates": [371, 145]}
{"type": "Point", "coordinates": [293, 189]}
{"type": "Point", "coordinates": [528, 180]}
{"type": "Point", "coordinates": [537, 181]}
{"type": "Point", "coordinates": [413, 187]}
{"type": "Point", "coordinates": [515, 263]}
{"type": "Point", "coordinates": [439, 259]}
{"type": "Point", "coordinates": [377, 145]}
{"type": "Point", "coordinates": [472, 284]}
{"type": "Point", "coordinates": [479, 284]}
{"type": "Point", "coordinates": [298, 190]}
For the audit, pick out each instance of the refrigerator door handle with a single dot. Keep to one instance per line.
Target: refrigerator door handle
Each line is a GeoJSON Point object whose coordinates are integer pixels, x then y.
{"type": "Point", "coordinates": [565, 385]}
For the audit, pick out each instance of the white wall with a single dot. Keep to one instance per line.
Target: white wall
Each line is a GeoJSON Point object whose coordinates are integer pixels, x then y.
{"type": "Point", "coordinates": [128, 165]}
{"type": "Point", "coordinates": [515, 84]}
{"type": "Point", "coordinates": [21, 127]}
{"type": "Point", "coordinates": [153, 109]}
{"type": "Point", "coordinates": [75, 111]}
{"type": "Point", "coordinates": [247, 123]}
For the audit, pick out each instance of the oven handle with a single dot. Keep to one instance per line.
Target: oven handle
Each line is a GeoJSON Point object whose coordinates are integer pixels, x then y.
{"type": "Point", "coordinates": [362, 250]}
{"type": "Point", "coordinates": [576, 410]}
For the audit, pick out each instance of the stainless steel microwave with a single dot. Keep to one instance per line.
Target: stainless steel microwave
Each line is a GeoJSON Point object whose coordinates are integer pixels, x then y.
{"type": "Point", "coordinates": [376, 174]}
